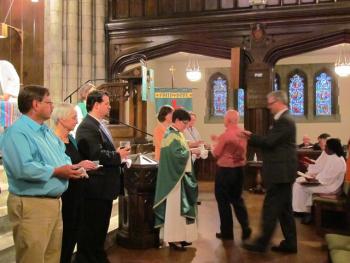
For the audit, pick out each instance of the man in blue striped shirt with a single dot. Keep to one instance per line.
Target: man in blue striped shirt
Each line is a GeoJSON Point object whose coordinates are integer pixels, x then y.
{"type": "Point", "coordinates": [38, 171]}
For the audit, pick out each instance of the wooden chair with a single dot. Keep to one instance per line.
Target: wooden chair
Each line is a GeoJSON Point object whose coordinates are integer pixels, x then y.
{"type": "Point", "coordinates": [334, 203]}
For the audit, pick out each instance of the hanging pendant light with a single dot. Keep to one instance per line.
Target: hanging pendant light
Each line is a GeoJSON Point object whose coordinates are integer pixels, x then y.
{"type": "Point", "coordinates": [193, 72]}
{"type": "Point", "coordinates": [342, 64]}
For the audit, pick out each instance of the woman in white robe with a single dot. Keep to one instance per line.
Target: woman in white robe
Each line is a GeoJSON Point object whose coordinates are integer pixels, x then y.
{"type": "Point", "coordinates": [329, 170]}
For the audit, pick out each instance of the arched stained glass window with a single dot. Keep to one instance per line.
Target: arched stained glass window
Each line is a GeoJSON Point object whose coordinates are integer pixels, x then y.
{"type": "Point", "coordinates": [296, 89]}
{"type": "Point", "coordinates": [323, 94]}
{"type": "Point", "coordinates": [240, 102]}
{"type": "Point", "coordinates": [219, 96]}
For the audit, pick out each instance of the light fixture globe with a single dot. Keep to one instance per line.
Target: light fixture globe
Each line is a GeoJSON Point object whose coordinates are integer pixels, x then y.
{"type": "Point", "coordinates": [342, 64]}
{"type": "Point", "coordinates": [342, 70]}
{"type": "Point", "coordinates": [193, 75]}
{"type": "Point", "coordinates": [193, 72]}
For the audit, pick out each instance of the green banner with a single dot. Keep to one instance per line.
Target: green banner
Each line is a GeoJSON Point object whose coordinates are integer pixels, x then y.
{"type": "Point", "coordinates": [175, 97]}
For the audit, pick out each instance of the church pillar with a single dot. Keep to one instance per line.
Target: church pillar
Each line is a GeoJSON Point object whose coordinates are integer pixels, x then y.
{"type": "Point", "coordinates": [74, 45]}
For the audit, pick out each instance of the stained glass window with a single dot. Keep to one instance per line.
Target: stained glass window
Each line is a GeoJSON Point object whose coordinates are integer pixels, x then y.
{"type": "Point", "coordinates": [296, 95]}
{"type": "Point", "coordinates": [323, 94]}
{"type": "Point", "coordinates": [240, 102]}
{"type": "Point", "coordinates": [219, 96]}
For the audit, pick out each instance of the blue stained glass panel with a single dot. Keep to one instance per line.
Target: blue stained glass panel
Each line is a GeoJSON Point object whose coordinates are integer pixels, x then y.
{"type": "Point", "coordinates": [220, 96]}
{"type": "Point", "coordinates": [323, 95]}
{"type": "Point", "coordinates": [296, 95]}
{"type": "Point", "coordinates": [240, 102]}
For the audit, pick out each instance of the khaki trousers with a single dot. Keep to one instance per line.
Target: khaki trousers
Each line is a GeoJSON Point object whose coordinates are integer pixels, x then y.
{"type": "Point", "coordinates": [37, 228]}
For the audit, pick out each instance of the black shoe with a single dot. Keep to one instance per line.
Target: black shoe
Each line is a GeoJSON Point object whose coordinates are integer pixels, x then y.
{"type": "Point", "coordinates": [220, 236]}
{"type": "Point", "coordinates": [246, 233]}
{"type": "Point", "coordinates": [307, 219]}
{"type": "Point", "coordinates": [185, 244]}
{"type": "Point", "coordinates": [284, 248]}
{"type": "Point", "coordinates": [176, 246]}
{"type": "Point", "coordinates": [255, 247]}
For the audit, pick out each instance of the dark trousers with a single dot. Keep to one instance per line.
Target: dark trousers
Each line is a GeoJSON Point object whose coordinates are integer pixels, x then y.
{"type": "Point", "coordinates": [278, 206]}
{"type": "Point", "coordinates": [228, 190]}
{"type": "Point", "coordinates": [94, 229]}
{"type": "Point", "coordinates": [72, 214]}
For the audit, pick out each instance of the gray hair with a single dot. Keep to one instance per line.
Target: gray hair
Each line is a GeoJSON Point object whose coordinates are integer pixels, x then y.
{"type": "Point", "coordinates": [279, 95]}
{"type": "Point", "coordinates": [61, 111]}
{"type": "Point", "coordinates": [85, 90]}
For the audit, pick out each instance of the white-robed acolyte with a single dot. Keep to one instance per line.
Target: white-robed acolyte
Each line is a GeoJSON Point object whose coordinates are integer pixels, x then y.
{"type": "Point", "coordinates": [329, 171]}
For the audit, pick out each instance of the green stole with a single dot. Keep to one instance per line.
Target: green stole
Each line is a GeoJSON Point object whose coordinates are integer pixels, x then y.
{"type": "Point", "coordinates": [82, 106]}
{"type": "Point", "coordinates": [174, 154]}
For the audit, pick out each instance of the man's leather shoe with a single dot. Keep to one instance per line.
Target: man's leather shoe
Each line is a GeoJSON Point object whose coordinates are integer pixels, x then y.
{"type": "Point", "coordinates": [284, 248]}
{"type": "Point", "coordinates": [220, 236]}
{"type": "Point", "coordinates": [307, 219]}
{"type": "Point", "coordinates": [176, 246]}
{"type": "Point", "coordinates": [185, 244]}
{"type": "Point", "coordinates": [255, 247]}
{"type": "Point", "coordinates": [246, 233]}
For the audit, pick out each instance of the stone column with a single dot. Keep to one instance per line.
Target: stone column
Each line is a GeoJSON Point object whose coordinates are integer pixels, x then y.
{"type": "Point", "coordinates": [53, 48]}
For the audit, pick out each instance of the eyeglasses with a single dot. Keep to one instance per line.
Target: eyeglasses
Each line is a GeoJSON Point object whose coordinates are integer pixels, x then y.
{"type": "Point", "coordinates": [185, 122]}
{"type": "Point", "coordinates": [47, 102]}
{"type": "Point", "coordinates": [271, 103]}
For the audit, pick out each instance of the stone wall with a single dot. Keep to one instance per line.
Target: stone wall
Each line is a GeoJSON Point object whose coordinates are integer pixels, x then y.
{"type": "Point", "coordinates": [74, 50]}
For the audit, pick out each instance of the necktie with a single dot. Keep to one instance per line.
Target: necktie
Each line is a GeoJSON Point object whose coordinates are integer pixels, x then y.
{"type": "Point", "coordinates": [106, 132]}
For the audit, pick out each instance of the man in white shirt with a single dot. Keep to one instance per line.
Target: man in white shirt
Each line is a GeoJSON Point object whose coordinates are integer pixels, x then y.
{"type": "Point", "coordinates": [191, 133]}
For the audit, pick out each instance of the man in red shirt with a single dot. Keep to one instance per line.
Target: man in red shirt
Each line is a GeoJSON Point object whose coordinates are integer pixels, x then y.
{"type": "Point", "coordinates": [230, 151]}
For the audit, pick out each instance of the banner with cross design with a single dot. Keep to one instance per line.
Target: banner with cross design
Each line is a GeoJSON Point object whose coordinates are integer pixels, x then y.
{"type": "Point", "coordinates": [175, 97]}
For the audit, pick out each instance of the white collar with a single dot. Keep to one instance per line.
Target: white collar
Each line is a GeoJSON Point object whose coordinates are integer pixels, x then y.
{"type": "Point", "coordinates": [278, 114]}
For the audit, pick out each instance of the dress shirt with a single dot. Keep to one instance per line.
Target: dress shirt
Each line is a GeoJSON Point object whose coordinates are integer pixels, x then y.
{"type": "Point", "coordinates": [158, 135]}
{"type": "Point", "coordinates": [231, 148]}
{"type": "Point", "coordinates": [31, 152]}
{"type": "Point", "coordinates": [192, 134]}
{"type": "Point", "coordinates": [278, 114]}
{"type": "Point", "coordinates": [9, 80]}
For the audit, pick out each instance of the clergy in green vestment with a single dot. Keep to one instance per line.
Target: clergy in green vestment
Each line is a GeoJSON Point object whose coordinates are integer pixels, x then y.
{"type": "Point", "coordinates": [175, 204]}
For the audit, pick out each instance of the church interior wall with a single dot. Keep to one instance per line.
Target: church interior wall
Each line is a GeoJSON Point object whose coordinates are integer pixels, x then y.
{"type": "Point", "coordinates": [163, 79]}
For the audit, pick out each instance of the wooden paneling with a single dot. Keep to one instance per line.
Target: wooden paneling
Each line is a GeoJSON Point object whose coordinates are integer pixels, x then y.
{"type": "Point", "coordinates": [136, 8]}
{"type": "Point", "coordinates": [211, 4]}
{"type": "Point", "coordinates": [227, 4]}
{"type": "Point", "coordinates": [181, 6]}
{"type": "Point", "coordinates": [151, 7]}
{"type": "Point", "coordinates": [122, 9]}
{"type": "Point", "coordinates": [195, 5]}
{"type": "Point", "coordinates": [29, 17]}
{"type": "Point", "coordinates": [166, 7]}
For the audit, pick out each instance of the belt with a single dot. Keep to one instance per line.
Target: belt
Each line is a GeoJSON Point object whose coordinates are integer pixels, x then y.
{"type": "Point", "coordinates": [41, 196]}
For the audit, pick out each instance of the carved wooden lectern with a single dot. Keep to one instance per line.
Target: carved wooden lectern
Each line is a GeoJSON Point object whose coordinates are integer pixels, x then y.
{"type": "Point", "coordinates": [136, 217]}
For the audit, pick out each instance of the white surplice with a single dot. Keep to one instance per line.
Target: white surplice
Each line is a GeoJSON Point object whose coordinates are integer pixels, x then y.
{"type": "Point", "coordinates": [175, 228]}
{"type": "Point", "coordinates": [330, 173]}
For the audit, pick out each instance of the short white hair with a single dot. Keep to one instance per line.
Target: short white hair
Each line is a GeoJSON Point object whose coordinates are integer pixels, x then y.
{"type": "Point", "coordinates": [61, 111]}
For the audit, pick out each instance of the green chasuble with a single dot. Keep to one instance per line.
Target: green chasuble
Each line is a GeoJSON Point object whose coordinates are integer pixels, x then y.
{"type": "Point", "coordinates": [174, 154]}
{"type": "Point", "coordinates": [82, 106]}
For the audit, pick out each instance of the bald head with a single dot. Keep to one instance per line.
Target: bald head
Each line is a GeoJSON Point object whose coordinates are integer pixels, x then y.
{"type": "Point", "coordinates": [231, 118]}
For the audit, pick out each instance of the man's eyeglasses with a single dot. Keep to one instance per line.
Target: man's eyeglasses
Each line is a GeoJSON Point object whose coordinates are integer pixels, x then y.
{"type": "Point", "coordinates": [271, 102]}
{"type": "Point", "coordinates": [47, 102]}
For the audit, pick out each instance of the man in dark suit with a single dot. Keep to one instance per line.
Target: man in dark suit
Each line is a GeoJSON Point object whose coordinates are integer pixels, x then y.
{"type": "Point", "coordinates": [279, 170]}
{"type": "Point", "coordinates": [104, 184]}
